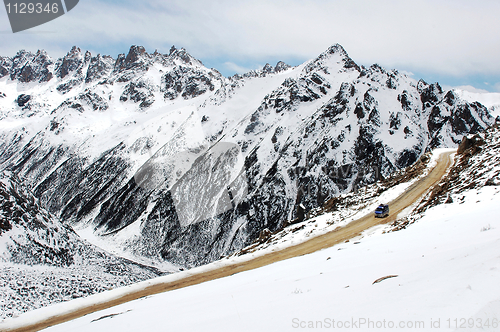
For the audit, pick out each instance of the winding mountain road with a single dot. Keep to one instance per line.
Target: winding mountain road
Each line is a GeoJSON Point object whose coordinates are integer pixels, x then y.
{"type": "Point", "coordinates": [351, 230]}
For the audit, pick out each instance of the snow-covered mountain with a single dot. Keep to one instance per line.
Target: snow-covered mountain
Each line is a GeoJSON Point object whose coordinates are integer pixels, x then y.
{"type": "Point", "coordinates": [435, 269]}
{"type": "Point", "coordinates": [488, 99]}
{"type": "Point", "coordinates": [45, 262]}
{"type": "Point", "coordinates": [160, 159]}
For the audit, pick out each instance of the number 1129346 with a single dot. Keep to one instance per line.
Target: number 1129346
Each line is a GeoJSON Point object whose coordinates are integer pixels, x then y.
{"type": "Point", "coordinates": [30, 8]}
{"type": "Point", "coordinates": [462, 323]}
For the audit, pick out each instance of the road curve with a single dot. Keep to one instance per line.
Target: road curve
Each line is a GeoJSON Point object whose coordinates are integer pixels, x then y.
{"type": "Point", "coordinates": [353, 229]}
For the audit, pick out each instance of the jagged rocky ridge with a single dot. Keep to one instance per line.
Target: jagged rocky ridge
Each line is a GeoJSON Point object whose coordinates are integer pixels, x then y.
{"type": "Point", "coordinates": [169, 160]}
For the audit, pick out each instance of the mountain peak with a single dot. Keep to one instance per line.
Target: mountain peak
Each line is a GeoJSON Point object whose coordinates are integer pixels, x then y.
{"type": "Point", "coordinates": [336, 49]}
{"type": "Point", "coordinates": [134, 54]}
{"type": "Point", "coordinates": [281, 66]}
{"type": "Point", "coordinates": [28, 67]}
{"type": "Point", "coordinates": [75, 50]}
{"type": "Point", "coordinates": [134, 58]}
{"type": "Point", "coordinates": [71, 61]}
{"type": "Point", "coordinates": [42, 53]}
{"type": "Point", "coordinates": [267, 68]}
{"type": "Point", "coordinates": [330, 57]}
{"type": "Point", "coordinates": [183, 55]}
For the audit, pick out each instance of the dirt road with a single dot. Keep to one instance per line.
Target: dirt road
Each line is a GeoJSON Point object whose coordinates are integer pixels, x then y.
{"type": "Point", "coordinates": [314, 244]}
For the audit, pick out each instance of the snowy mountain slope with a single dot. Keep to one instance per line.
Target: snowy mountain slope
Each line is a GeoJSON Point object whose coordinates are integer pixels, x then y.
{"type": "Point", "coordinates": [341, 210]}
{"type": "Point", "coordinates": [339, 213]}
{"type": "Point", "coordinates": [477, 168]}
{"type": "Point", "coordinates": [488, 99]}
{"type": "Point", "coordinates": [43, 262]}
{"type": "Point", "coordinates": [120, 148]}
{"type": "Point", "coordinates": [439, 274]}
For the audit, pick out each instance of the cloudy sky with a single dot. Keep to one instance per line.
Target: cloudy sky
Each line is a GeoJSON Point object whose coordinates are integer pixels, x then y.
{"type": "Point", "coordinates": [454, 42]}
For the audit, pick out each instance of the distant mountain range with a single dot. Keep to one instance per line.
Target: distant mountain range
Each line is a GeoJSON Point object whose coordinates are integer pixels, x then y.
{"type": "Point", "coordinates": [165, 161]}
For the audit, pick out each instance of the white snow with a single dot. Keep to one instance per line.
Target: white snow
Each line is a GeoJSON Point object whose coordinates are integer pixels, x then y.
{"type": "Point", "coordinates": [169, 127]}
{"type": "Point", "coordinates": [329, 221]}
{"type": "Point", "coordinates": [489, 99]}
{"type": "Point", "coordinates": [262, 299]}
{"type": "Point", "coordinates": [447, 266]}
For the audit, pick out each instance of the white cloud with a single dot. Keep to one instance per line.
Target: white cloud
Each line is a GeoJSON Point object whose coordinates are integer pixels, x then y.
{"type": "Point", "coordinates": [446, 37]}
{"type": "Point", "coordinates": [488, 99]}
{"type": "Point", "coordinates": [468, 88]}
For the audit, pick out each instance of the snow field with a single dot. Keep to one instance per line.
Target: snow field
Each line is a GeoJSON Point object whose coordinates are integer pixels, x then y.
{"type": "Point", "coordinates": [447, 268]}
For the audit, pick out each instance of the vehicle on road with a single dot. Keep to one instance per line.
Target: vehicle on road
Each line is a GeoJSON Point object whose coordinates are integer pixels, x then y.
{"type": "Point", "coordinates": [382, 211]}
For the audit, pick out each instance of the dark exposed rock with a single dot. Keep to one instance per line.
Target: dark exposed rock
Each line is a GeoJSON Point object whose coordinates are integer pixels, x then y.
{"type": "Point", "coordinates": [475, 167]}
{"type": "Point", "coordinates": [359, 111]}
{"type": "Point", "coordinates": [138, 93]}
{"type": "Point", "coordinates": [70, 104]}
{"type": "Point", "coordinates": [467, 143]}
{"type": "Point", "coordinates": [5, 66]}
{"type": "Point", "coordinates": [395, 120]}
{"type": "Point", "coordinates": [183, 55]}
{"type": "Point", "coordinates": [293, 92]}
{"type": "Point", "coordinates": [132, 59]}
{"type": "Point", "coordinates": [281, 66]}
{"type": "Point", "coordinates": [99, 67]}
{"type": "Point", "coordinates": [450, 98]}
{"type": "Point", "coordinates": [405, 101]}
{"type": "Point", "coordinates": [186, 82]}
{"type": "Point", "coordinates": [80, 188]}
{"type": "Point", "coordinates": [268, 68]}
{"type": "Point", "coordinates": [125, 207]}
{"type": "Point", "coordinates": [71, 62]}
{"type": "Point", "coordinates": [134, 53]}
{"type": "Point", "coordinates": [429, 94]}
{"type": "Point", "coordinates": [23, 211]}
{"type": "Point", "coordinates": [66, 87]}
{"type": "Point", "coordinates": [319, 65]}
{"type": "Point", "coordinates": [460, 118]}
{"type": "Point", "coordinates": [265, 71]}
{"type": "Point", "coordinates": [22, 100]}
{"type": "Point", "coordinates": [28, 67]}
{"type": "Point", "coordinates": [96, 102]}
{"type": "Point", "coordinates": [408, 157]}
